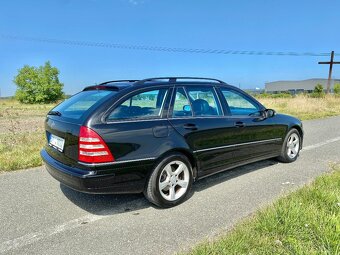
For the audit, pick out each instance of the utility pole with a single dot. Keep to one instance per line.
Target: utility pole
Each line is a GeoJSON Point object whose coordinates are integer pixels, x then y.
{"type": "Point", "coordinates": [330, 63]}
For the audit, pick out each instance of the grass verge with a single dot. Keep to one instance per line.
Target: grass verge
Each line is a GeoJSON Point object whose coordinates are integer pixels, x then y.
{"type": "Point", "coordinates": [20, 150]}
{"type": "Point", "coordinates": [12, 108]}
{"type": "Point", "coordinates": [304, 107]}
{"type": "Point", "coordinates": [21, 134]}
{"type": "Point", "coordinates": [306, 221]}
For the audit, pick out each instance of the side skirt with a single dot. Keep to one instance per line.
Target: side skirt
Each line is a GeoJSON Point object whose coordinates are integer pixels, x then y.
{"type": "Point", "coordinates": [238, 164]}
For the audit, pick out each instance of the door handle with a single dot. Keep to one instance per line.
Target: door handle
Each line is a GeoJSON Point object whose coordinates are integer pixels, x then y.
{"type": "Point", "coordinates": [239, 124]}
{"type": "Point", "coordinates": [190, 126]}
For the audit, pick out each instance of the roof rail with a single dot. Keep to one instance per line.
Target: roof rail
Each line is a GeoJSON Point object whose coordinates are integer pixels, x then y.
{"type": "Point", "coordinates": [118, 81]}
{"type": "Point", "coordinates": [175, 79]}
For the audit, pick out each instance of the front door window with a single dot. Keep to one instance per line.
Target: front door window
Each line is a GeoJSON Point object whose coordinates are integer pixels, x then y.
{"type": "Point", "coordinates": [238, 103]}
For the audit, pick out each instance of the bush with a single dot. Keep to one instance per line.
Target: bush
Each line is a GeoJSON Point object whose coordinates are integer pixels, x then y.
{"type": "Point", "coordinates": [38, 84]}
{"type": "Point", "coordinates": [318, 91]}
{"type": "Point", "coordinates": [337, 88]}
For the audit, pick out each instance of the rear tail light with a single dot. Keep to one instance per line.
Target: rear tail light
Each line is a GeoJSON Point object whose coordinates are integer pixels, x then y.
{"type": "Point", "coordinates": [92, 148]}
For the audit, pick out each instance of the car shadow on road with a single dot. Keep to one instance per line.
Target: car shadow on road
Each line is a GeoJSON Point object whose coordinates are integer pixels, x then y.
{"type": "Point", "coordinates": [105, 204]}
{"type": "Point", "coordinates": [116, 204]}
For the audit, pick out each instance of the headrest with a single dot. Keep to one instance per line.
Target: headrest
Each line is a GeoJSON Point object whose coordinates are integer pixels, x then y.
{"type": "Point", "coordinates": [200, 106]}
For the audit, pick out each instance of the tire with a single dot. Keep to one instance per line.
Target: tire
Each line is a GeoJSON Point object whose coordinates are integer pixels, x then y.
{"type": "Point", "coordinates": [291, 147]}
{"type": "Point", "coordinates": [166, 188]}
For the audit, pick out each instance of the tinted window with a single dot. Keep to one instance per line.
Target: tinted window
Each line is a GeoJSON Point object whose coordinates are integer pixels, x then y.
{"type": "Point", "coordinates": [147, 104]}
{"type": "Point", "coordinates": [239, 104]}
{"type": "Point", "coordinates": [76, 106]}
{"type": "Point", "coordinates": [204, 101]}
{"type": "Point", "coordinates": [182, 106]}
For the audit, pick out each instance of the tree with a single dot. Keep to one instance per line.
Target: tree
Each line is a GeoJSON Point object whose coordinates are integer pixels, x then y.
{"type": "Point", "coordinates": [336, 88]}
{"type": "Point", "coordinates": [38, 84]}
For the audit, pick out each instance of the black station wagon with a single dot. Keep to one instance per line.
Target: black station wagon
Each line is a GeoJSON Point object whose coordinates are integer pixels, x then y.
{"type": "Point", "coordinates": [159, 135]}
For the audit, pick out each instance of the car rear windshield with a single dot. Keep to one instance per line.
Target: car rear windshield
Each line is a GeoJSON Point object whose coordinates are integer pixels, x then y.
{"type": "Point", "coordinates": [76, 106]}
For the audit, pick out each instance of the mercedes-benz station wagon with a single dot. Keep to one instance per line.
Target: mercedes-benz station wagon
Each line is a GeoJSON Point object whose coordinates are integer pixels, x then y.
{"type": "Point", "coordinates": [159, 135]}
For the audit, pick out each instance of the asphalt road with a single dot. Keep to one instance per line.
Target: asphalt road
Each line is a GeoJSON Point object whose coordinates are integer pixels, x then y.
{"type": "Point", "coordinates": [39, 216]}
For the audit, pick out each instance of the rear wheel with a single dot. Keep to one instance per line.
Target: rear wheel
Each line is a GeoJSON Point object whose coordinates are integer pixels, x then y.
{"type": "Point", "coordinates": [291, 147]}
{"type": "Point", "coordinates": [170, 182]}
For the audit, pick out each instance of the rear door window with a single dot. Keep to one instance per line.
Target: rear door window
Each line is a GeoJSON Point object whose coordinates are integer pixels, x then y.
{"type": "Point", "coordinates": [144, 105]}
{"type": "Point", "coordinates": [76, 106]}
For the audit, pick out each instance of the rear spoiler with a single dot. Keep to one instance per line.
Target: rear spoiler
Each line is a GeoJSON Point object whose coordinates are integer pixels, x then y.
{"type": "Point", "coordinates": [112, 85]}
{"type": "Point", "coordinates": [101, 87]}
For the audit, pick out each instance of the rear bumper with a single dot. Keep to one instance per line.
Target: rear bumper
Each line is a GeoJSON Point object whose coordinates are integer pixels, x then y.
{"type": "Point", "coordinates": [126, 180]}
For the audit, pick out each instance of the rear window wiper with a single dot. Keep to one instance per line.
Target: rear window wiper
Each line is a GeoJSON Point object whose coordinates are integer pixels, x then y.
{"type": "Point", "coordinates": [54, 113]}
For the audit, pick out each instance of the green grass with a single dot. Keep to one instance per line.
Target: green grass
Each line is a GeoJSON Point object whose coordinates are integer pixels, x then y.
{"type": "Point", "coordinates": [20, 150]}
{"type": "Point", "coordinates": [306, 221]}
{"type": "Point", "coordinates": [21, 134]}
{"type": "Point", "coordinates": [11, 108]}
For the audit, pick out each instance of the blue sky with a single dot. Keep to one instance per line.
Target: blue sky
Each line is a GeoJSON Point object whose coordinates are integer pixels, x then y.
{"type": "Point", "coordinates": [299, 26]}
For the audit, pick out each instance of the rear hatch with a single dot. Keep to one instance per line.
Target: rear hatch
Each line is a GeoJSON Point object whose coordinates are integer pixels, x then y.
{"type": "Point", "coordinates": [63, 124]}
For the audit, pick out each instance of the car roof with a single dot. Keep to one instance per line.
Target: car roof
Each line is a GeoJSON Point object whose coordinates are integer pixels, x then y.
{"type": "Point", "coordinates": [122, 84]}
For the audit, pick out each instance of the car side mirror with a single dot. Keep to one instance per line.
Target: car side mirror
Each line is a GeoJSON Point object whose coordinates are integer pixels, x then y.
{"type": "Point", "coordinates": [187, 108]}
{"type": "Point", "coordinates": [270, 113]}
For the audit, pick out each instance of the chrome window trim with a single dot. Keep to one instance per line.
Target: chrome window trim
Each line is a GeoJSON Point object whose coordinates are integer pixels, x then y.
{"type": "Point", "coordinates": [163, 102]}
{"type": "Point", "coordinates": [131, 120]}
{"type": "Point", "coordinates": [238, 144]}
{"type": "Point", "coordinates": [176, 118]}
{"type": "Point", "coordinates": [219, 102]}
{"type": "Point", "coordinates": [114, 162]}
{"type": "Point", "coordinates": [171, 113]}
{"type": "Point", "coordinates": [199, 117]}
{"type": "Point", "coordinates": [188, 98]}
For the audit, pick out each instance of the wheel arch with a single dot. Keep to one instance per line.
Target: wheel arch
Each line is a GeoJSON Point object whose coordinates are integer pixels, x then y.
{"type": "Point", "coordinates": [186, 153]}
{"type": "Point", "coordinates": [299, 129]}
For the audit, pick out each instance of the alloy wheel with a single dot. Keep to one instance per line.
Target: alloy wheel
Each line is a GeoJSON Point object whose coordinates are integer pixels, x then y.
{"type": "Point", "coordinates": [293, 145]}
{"type": "Point", "coordinates": [174, 180]}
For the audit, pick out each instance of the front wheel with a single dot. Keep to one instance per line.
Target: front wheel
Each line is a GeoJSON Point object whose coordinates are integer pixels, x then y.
{"type": "Point", "coordinates": [170, 182]}
{"type": "Point", "coordinates": [291, 147]}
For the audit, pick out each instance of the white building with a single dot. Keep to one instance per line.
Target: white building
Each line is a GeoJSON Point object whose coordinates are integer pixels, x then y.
{"type": "Point", "coordinates": [297, 86]}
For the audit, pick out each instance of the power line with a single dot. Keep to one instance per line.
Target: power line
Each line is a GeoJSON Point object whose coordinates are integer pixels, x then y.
{"type": "Point", "coordinates": [160, 48]}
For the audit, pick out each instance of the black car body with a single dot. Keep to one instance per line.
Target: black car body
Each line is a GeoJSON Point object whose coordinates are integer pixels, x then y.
{"type": "Point", "coordinates": [109, 138]}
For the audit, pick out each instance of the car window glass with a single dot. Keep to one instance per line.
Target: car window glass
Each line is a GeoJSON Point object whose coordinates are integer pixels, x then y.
{"type": "Point", "coordinates": [239, 104]}
{"type": "Point", "coordinates": [182, 106]}
{"type": "Point", "coordinates": [204, 101]}
{"type": "Point", "coordinates": [147, 104]}
{"type": "Point", "coordinates": [76, 106]}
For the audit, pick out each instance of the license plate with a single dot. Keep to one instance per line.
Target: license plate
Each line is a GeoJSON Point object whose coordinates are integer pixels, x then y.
{"type": "Point", "coordinates": [57, 142]}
